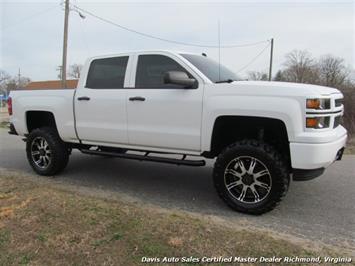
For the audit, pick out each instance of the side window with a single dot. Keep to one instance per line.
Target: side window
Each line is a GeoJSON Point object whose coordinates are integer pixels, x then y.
{"type": "Point", "coordinates": [107, 73]}
{"type": "Point", "coordinates": [152, 68]}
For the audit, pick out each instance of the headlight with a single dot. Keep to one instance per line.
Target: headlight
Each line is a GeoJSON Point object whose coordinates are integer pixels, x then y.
{"type": "Point", "coordinates": [319, 104]}
{"type": "Point", "coordinates": [318, 122]}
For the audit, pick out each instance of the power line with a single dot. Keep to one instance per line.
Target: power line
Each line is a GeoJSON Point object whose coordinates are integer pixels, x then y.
{"type": "Point", "coordinates": [163, 39]}
{"type": "Point", "coordinates": [254, 58]}
{"type": "Point", "coordinates": [35, 15]}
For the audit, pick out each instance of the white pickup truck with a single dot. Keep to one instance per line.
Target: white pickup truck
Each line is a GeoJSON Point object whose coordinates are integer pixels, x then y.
{"type": "Point", "coordinates": [145, 105]}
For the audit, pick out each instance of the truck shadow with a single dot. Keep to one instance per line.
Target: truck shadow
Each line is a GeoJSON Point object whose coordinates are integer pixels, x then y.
{"type": "Point", "coordinates": [171, 186]}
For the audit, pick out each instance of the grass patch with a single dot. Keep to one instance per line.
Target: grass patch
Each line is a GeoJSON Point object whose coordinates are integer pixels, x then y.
{"type": "Point", "coordinates": [4, 124]}
{"type": "Point", "coordinates": [49, 226]}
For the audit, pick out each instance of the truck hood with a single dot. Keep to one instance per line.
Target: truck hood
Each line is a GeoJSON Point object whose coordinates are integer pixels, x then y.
{"type": "Point", "coordinates": [276, 88]}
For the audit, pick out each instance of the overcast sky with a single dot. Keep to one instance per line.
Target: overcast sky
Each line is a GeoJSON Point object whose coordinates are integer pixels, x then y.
{"type": "Point", "coordinates": [31, 32]}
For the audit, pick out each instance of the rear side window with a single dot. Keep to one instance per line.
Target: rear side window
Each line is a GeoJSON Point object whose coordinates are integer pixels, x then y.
{"type": "Point", "coordinates": [107, 73]}
{"type": "Point", "coordinates": [152, 68]}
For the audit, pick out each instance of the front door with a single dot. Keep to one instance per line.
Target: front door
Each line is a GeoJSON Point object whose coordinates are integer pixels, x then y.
{"type": "Point", "coordinates": [163, 115]}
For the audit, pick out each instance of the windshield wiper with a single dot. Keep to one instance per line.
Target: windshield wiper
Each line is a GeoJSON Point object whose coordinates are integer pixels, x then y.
{"type": "Point", "coordinates": [225, 81]}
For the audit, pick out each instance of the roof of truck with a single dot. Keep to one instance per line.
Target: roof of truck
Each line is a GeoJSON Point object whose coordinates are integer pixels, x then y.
{"type": "Point", "coordinates": [145, 51]}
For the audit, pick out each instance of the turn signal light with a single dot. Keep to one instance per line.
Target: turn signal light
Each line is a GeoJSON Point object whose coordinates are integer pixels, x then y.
{"type": "Point", "coordinates": [311, 122]}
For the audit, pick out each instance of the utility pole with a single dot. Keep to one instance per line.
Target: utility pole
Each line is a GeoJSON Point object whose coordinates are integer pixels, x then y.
{"type": "Point", "coordinates": [271, 55]}
{"type": "Point", "coordinates": [19, 77]}
{"type": "Point", "coordinates": [65, 45]}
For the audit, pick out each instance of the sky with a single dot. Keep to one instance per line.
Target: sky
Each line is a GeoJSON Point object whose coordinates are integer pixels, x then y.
{"type": "Point", "coordinates": [31, 33]}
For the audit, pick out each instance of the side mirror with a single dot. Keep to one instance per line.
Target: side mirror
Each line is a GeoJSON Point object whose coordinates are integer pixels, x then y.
{"type": "Point", "coordinates": [179, 78]}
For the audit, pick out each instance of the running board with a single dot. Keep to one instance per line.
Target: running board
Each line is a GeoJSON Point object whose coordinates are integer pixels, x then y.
{"type": "Point", "coordinates": [145, 157]}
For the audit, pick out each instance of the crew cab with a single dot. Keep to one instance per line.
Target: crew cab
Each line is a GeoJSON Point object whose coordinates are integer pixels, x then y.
{"type": "Point", "coordinates": [145, 105]}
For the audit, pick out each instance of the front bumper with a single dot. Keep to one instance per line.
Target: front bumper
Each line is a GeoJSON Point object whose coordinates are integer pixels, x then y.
{"type": "Point", "coordinates": [315, 156]}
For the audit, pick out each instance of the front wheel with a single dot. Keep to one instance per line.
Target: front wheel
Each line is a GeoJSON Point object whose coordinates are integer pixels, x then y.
{"type": "Point", "coordinates": [251, 177]}
{"type": "Point", "coordinates": [46, 152]}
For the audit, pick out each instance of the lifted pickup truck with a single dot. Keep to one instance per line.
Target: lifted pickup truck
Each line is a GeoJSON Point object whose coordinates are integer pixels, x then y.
{"type": "Point", "coordinates": [263, 133]}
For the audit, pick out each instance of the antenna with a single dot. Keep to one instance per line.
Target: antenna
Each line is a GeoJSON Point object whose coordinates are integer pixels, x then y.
{"type": "Point", "coordinates": [219, 50]}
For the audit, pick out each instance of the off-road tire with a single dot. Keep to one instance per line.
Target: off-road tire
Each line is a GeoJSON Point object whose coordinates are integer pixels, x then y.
{"type": "Point", "coordinates": [59, 151]}
{"type": "Point", "coordinates": [270, 158]}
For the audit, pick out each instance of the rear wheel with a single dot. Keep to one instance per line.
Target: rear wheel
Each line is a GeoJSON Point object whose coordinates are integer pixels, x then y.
{"type": "Point", "coordinates": [46, 152]}
{"type": "Point", "coordinates": [251, 177]}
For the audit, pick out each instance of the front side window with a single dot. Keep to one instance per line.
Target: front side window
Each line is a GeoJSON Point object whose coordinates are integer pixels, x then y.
{"type": "Point", "coordinates": [151, 70]}
{"type": "Point", "coordinates": [107, 73]}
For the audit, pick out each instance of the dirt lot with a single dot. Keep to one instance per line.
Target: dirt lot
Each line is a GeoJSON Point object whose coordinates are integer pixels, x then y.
{"type": "Point", "coordinates": [46, 224]}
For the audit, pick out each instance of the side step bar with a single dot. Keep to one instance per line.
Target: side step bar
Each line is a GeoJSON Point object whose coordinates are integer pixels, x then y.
{"type": "Point", "coordinates": [145, 157]}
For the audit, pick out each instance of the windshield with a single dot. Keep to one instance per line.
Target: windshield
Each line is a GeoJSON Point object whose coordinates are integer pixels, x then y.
{"type": "Point", "coordinates": [211, 69]}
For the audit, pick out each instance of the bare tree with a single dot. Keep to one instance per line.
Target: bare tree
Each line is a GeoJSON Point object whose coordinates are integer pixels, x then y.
{"type": "Point", "coordinates": [300, 67]}
{"type": "Point", "coordinates": [279, 76]}
{"type": "Point", "coordinates": [257, 75]}
{"type": "Point", "coordinates": [14, 83]}
{"type": "Point", "coordinates": [4, 78]}
{"type": "Point", "coordinates": [332, 71]}
{"type": "Point", "coordinates": [75, 70]}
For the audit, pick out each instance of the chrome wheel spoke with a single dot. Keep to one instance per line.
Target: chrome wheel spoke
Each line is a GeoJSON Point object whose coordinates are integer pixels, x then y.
{"type": "Point", "coordinates": [261, 173]}
{"type": "Point", "coordinates": [255, 193]}
{"type": "Point", "coordinates": [35, 153]}
{"type": "Point", "coordinates": [240, 164]}
{"type": "Point", "coordinates": [45, 146]}
{"type": "Point", "coordinates": [251, 166]}
{"type": "Point", "coordinates": [262, 184]}
{"type": "Point", "coordinates": [234, 173]}
{"type": "Point", "coordinates": [234, 184]}
{"type": "Point", "coordinates": [45, 161]}
{"type": "Point", "coordinates": [243, 193]}
{"type": "Point", "coordinates": [39, 161]}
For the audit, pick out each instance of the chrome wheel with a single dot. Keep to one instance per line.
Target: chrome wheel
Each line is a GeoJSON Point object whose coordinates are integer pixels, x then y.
{"type": "Point", "coordinates": [247, 179]}
{"type": "Point", "coordinates": [41, 152]}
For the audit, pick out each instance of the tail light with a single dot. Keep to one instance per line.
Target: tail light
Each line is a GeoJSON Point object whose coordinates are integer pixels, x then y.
{"type": "Point", "coordinates": [9, 105]}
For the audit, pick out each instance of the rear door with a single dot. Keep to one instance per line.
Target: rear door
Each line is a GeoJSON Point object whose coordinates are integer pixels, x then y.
{"type": "Point", "coordinates": [100, 103]}
{"type": "Point", "coordinates": [163, 115]}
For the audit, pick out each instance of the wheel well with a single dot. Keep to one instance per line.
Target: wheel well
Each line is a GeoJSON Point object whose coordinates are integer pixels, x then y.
{"type": "Point", "coordinates": [229, 129]}
{"type": "Point", "coordinates": [37, 119]}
